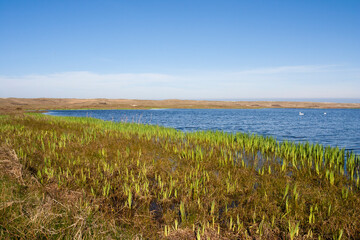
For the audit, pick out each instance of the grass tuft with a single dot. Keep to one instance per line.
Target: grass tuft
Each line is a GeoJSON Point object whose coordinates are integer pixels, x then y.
{"type": "Point", "coordinates": [68, 177]}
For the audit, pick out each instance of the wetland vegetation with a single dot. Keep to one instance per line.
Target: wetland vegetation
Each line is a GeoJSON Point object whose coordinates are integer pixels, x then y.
{"type": "Point", "coordinates": [68, 177]}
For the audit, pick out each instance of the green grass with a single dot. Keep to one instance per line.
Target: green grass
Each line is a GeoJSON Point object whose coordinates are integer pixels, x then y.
{"type": "Point", "coordinates": [156, 182]}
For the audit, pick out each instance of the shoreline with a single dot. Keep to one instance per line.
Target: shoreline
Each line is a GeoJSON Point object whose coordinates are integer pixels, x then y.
{"type": "Point", "coordinates": [26, 104]}
{"type": "Point", "coordinates": [164, 182]}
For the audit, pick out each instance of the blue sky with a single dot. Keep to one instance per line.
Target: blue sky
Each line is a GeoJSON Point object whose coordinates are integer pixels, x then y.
{"type": "Point", "coordinates": [180, 49]}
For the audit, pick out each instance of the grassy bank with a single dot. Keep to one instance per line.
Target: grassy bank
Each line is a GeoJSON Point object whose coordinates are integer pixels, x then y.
{"type": "Point", "coordinates": [86, 178]}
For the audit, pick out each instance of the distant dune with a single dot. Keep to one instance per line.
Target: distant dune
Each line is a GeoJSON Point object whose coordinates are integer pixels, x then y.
{"type": "Point", "coordinates": [20, 104]}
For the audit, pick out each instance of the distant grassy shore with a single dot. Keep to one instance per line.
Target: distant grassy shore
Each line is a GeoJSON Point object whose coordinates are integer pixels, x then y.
{"type": "Point", "coordinates": [74, 178]}
{"type": "Point", "coordinates": [21, 104]}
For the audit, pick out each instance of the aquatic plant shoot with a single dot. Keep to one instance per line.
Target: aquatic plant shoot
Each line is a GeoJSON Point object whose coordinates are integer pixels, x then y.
{"type": "Point", "coordinates": [157, 182]}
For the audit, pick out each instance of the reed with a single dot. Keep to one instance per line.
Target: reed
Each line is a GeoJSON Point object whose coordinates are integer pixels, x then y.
{"type": "Point", "coordinates": [162, 182]}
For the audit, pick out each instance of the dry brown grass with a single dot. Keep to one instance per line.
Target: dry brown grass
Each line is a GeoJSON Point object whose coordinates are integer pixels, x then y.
{"type": "Point", "coordinates": [29, 209]}
{"type": "Point", "coordinates": [10, 165]}
{"type": "Point", "coordinates": [86, 178]}
{"type": "Point", "coordinates": [21, 104]}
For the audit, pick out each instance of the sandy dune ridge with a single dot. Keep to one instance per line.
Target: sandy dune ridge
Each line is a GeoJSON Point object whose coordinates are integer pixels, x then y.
{"type": "Point", "coordinates": [21, 104]}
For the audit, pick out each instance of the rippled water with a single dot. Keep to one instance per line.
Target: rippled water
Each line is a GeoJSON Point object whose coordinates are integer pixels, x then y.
{"type": "Point", "coordinates": [338, 127]}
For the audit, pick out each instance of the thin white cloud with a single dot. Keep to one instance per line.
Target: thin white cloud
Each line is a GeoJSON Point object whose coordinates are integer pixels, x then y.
{"type": "Point", "coordinates": [79, 84]}
{"type": "Point", "coordinates": [84, 76]}
{"type": "Point", "coordinates": [308, 81]}
{"type": "Point", "coordinates": [288, 69]}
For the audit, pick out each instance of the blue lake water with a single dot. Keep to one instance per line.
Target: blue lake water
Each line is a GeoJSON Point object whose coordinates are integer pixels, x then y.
{"type": "Point", "coordinates": [338, 127]}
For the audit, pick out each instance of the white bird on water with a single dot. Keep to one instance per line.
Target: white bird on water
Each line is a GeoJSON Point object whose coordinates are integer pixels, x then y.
{"type": "Point", "coordinates": [301, 114]}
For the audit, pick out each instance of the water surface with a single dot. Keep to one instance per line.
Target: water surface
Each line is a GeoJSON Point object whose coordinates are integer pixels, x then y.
{"type": "Point", "coordinates": [338, 127]}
